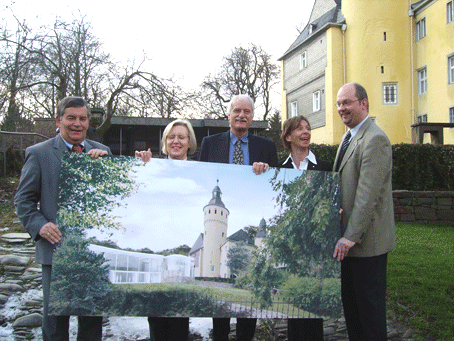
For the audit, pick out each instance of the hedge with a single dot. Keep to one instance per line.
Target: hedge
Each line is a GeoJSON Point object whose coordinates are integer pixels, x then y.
{"type": "Point", "coordinates": [416, 167]}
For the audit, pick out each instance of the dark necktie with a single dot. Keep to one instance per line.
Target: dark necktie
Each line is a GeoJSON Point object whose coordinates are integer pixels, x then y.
{"type": "Point", "coordinates": [238, 158]}
{"type": "Point", "coordinates": [77, 148]}
{"type": "Point", "coordinates": [343, 149]}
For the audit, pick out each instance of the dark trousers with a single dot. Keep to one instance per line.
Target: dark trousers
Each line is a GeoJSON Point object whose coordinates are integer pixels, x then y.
{"type": "Point", "coordinates": [168, 328]}
{"type": "Point", "coordinates": [245, 329]}
{"type": "Point", "coordinates": [56, 328]}
{"type": "Point", "coordinates": [89, 328]}
{"type": "Point", "coordinates": [305, 329]}
{"type": "Point", "coordinates": [364, 297]}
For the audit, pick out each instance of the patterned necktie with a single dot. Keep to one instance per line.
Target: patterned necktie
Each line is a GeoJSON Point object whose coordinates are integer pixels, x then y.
{"type": "Point", "coordinates": [238, 158]}
{"type": "Point", "coordinates": [343, 149]}
{"type": "Point", "coordinates": [77, 148]}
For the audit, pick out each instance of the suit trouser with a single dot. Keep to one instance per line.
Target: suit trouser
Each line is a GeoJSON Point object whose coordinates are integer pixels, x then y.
{"type": "Point", "coordinates": [56, 328]}
{"type": "Point", "coordinates": [168, 328]}
{"type": "Point", "coordinates": [364, 297]}
{"type": "Point", "coordinates": [245, 329]}
{"type": "Point", "coordinates": [310, 329]}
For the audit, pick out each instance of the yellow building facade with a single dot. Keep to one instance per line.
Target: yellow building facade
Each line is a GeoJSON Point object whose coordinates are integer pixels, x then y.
{"type": "Point", "coordinates": [399, 50]}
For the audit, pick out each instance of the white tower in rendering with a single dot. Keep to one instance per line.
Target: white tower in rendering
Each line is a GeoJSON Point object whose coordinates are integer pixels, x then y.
{"type": "Point", "coordinates": [215, 233]}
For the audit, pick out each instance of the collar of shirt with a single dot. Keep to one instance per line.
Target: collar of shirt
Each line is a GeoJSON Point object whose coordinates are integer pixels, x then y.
{"type": "Point", "coordinates": [303, 164]}
{"type": "Point", "coordinates": [354, 130]}
{"type": "Point", "coordinates": [70, 146]}
{"type": "Point", "coordinates": [244, 147]}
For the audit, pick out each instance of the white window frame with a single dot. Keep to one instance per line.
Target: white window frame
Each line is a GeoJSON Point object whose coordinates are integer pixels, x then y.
{"type": "Point", "coordinates": [421, 118]}
{"type": "Point", "coordinates": [390, 93]}
{"type": "Point", "coordinates": [451, 114]}
{"type": "Point", "coordinates": [451, 69]}
{"type": "Point", "coordinates": [293, 109]}
{"type": "Point", "coordinates": [303, 60]}
{"type": "Point", "coordinates": [316, 101]}
{"type": "Point", "coordinates": [420, 29]}
{"type": "Point", "coordinates": [450, 11]}
{"type": "Point", "coordinates": [422, 81]}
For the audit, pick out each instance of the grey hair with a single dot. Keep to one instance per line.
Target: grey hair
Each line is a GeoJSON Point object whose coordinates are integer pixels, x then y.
{"type": "Point", "coordinates": [71, 102]}
{"type": "Point", "coordinates": [237, 97]}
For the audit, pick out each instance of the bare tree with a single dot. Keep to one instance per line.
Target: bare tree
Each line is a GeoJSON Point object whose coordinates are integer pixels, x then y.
{"type": "Point", "coordinates": [67, 59]}
{"type": "Point", "coordinates": [15, 75]}
{"type": "Point", "coordinates": [245, 71]}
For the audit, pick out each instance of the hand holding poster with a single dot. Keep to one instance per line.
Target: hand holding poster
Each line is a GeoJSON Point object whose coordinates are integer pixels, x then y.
{"type": "Point", "coordinates": [173, 238]}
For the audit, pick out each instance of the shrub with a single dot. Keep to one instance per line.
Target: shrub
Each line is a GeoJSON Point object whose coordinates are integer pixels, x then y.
{"type": "Point", "coordinates": [315, 295]}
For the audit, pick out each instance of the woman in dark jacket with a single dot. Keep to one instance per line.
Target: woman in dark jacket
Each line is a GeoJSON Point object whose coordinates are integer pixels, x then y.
{"type": "Point", "coordinates": [296, 137]}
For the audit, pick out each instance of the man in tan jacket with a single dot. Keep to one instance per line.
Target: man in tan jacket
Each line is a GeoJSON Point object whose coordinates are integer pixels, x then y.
{"type": "Point", "coordinates": [364, 161]}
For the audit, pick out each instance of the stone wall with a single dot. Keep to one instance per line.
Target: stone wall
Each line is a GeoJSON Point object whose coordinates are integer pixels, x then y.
{"type": "Point", "coordinates": [430, 207]}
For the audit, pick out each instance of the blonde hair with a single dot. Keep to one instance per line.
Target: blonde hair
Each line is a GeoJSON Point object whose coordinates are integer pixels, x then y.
{"type": "Point", "coordinates": [192, 139]}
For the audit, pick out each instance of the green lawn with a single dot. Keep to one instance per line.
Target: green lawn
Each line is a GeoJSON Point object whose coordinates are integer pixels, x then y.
{"type": "Point", "coordinates": [421, 279]}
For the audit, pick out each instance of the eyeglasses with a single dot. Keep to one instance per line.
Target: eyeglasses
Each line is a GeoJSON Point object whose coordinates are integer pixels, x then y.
{"type": "Point", "coordinates": [346, 103]}
{"type": "Point", "coordinates": [180, 137]}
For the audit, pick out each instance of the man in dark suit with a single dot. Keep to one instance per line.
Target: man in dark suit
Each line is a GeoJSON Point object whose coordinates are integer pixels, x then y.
{"type": "Point", "coordinates": [39, 183]}
{"type": "Point", "coordinates": [240, 147]}
{"type": "Point", "coordinates": [364, 161]}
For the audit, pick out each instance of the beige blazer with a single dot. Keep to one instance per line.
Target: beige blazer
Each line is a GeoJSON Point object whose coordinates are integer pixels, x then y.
{"type": "Point", "coordinates": [366, 192]}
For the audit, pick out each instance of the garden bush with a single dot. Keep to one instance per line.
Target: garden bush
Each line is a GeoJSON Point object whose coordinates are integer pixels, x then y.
{"type": "Point", "coordinates": [315, 295]}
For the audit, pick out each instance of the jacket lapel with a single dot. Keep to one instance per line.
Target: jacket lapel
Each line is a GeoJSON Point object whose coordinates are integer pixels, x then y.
{"type": "Point", "coordinates": [354, 143]}
{"type": "Point", "coordinates": [224, 142]}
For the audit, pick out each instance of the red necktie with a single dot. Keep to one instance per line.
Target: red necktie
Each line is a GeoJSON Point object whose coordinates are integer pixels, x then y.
{"type": "Point", "coordinates": [77, 148]}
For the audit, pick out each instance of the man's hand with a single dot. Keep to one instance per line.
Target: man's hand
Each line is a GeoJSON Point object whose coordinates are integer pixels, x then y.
{"type": "Point", "coordinates": [51, 233]}
{"type": "Point", "coordinates": [95, 153]}
{"type": "Point", "coordinates": [259, 167]}
{"type": "Point", "coordinates": [342, 247]}
{"type": "Point", "coordinates": [145, 155]}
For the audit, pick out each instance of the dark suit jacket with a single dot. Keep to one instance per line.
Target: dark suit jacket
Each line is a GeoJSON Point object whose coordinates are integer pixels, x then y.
{"type": "Point", "coordinates": [322, 165]}
{"type": "Point", "coordinates": [215, 148]}
{"type": "Point", "coordinates": [366, 192]}
{"type": "Point", "coordinates": [39, 183]}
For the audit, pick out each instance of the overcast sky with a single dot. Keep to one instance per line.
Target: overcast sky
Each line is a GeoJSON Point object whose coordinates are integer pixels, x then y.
{"type": "Point", "coordinates": [184, 39]}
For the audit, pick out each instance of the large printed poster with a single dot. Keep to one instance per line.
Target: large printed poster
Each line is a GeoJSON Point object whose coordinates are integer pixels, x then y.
{"type": "Point", "coordinates": [187, 238]}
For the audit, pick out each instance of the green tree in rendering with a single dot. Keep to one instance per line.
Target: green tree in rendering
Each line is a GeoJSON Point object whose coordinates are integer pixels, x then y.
{"type": "Point", "coordinates": [238, 258]}
{"type": "Point", "coordinates": [80, 278]}
{"type": "Point", "coordinates": [305, 232]}
{"type": "Point", "coordinates": [92, 189]}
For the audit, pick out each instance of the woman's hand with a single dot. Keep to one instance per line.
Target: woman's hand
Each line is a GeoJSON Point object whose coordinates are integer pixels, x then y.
{"type": "Point", "coordinates": [145, 155]}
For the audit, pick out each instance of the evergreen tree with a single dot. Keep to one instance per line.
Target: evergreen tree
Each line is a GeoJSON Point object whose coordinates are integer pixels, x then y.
{"type": "Point", "coordinates": [79, 278]}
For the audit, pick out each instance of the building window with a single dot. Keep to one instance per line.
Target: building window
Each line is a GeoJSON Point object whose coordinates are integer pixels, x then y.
{"type": "Point", "coordinates": [293, 109]}
{"type": "Point", "coordinates": [450, 11]}
{"type": "Point", "coordinates": [420, 29]}
{"type": "Point", "coordinates": [451, 115]}
{"type": "Point", "coordinates": [422, 81]}
{"type": "Point", "coordinates": [303, 60]}
{"type": "Point", "coordinates": [422, 118]}
{"type": "Point", "coordinates": [451, 69]}
{"type": "Point", "coordinates": [316, 101]}
{"type": "Point", "coordinates": [390, 93]}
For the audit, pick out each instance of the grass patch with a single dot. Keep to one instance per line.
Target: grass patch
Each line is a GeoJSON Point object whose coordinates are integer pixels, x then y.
{"type": "Point", "coordinates": [421, 279]}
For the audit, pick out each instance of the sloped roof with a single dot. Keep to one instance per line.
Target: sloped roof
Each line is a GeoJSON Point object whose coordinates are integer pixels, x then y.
{"type": "Point", "coordinates": [197, 245]}
{"type": "Point", "coordinates": [216, 198]}
{"type": "Point", "coordinates": [261, 232]}
{"type": "Point", "coordinates": [333, 16]}
{"type": "Point", "coordinates": [240, 235]}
